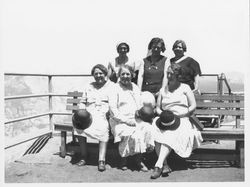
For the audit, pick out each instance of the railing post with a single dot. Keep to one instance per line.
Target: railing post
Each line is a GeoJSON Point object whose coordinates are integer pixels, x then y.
{"type": "Point", "coordinates": [221, 84]}
{"type": "Point", "coordinates": [50, 90]}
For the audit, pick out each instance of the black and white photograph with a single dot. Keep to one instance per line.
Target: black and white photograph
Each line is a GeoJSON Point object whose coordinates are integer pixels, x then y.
{"type": "Point", "coordinates": [110, 92]}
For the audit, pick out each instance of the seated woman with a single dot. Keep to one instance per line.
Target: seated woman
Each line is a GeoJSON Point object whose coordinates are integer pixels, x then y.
{"type": "Point", "coordinates": [133, 138]}
{"type": "Point", "coordinates": [176, 102]}
{"type": "Point", "coordinates": [152, 72]}
{"type": "Point", "coordinates": [95, 100]}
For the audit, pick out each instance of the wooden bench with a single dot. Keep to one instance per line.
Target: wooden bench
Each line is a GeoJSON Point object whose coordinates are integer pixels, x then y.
{"type": "Point", "coordinates": [72, 105]}
{"type": "Point", "coordinates": [73, 102]}
{"type": "Point", "coordinates": [223, 105]}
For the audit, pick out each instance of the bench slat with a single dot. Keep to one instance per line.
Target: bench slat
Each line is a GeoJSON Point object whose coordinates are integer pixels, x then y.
{"type": "Point", "coordinates": [222, 134]}
{"type": "Point", "coordinates": [71, 107]}
{"type": "Point", "coordinates": [63, 127]}
{"type": "Point", "coordinates": [75, 94]}
{"type": "Point", "coordinates": [219, 112]}
{"type": "Point", "coordinates": [73, 101]}
{"type": "Point", "coordinates": [220, 97]}
{"type": "Point", "coordinates": [220, 104]}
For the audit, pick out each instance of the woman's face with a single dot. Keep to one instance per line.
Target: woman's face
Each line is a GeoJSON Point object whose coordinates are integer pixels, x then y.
{"type": "Point", "coordinates": [156, 48]}
{"type": "Point", "coordinates": [178, 50]}
{"type": "Point", "coordinates": [125, 76]}
{"type": "Point", "coordinates": [122, 49]}
{"type": "Point", "coordinates": [99, 76]}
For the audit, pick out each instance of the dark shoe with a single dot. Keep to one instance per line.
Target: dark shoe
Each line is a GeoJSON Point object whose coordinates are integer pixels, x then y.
{"type": "Point", "coordinates": [123, 164]}
{"type": "Point", "coordinates": [157, 173]}
{"type": "Point", "coordinates": [82, 162]}
{"type": "Point", "coordinates": [166, 170]}
{"type": "Point", "coordinates": [101, 165]}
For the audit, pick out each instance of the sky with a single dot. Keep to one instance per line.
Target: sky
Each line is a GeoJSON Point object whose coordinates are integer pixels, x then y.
{"type": "Point", "coordinates": [66, 36]}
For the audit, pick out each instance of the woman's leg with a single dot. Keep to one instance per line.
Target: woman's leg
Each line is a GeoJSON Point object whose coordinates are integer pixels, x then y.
{"type": "Point", "coordinates": [102, 150]}
{"type": "Point", "coordinates": [83, 149]}
{"type": "Point", "coordinates": [164, 152]}
{"type": "Point", "coordinates": [102, 155]}
{"type": "Point", "coordinates": [139, 163]}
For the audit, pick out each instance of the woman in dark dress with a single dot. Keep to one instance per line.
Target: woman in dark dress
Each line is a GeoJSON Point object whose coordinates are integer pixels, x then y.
{"type": "Point", "coordinates": [152, 72]}
{"type": "Point", "coordinates": [190, 69]}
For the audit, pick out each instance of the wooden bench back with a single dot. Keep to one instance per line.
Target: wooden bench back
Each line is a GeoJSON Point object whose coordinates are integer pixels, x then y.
{"type": "Point", "coordinates": [73, 101]}
{"type": "Point", "coordinates": [228, 105]}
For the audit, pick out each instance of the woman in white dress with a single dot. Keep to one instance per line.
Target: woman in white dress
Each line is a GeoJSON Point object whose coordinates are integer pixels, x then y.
{"type": "Point", "coordinates": [95, 100]}
{"type": "Point", "coordinates": [133, 138]}
{"type": "Point", "coordinates": [179, 99]}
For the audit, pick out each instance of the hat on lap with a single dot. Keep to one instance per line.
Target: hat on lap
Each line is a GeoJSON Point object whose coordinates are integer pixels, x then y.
{"type": "Point", "coordinates": [81, 119]}
{"type": "Point", "coordinates": [168, 121]}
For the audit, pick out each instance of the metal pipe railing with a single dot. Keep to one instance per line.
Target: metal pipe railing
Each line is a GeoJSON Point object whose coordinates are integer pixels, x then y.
{"type": "Point", "coordinates": [50, 95]}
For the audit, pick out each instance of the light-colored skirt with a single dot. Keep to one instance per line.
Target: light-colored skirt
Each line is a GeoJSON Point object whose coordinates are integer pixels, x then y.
{"type": "Point", "coordinates": [133, 140]}
{"type": "Point", "coordinates": [182, 140]}
{"type": "Point", "coordinates": [99, 129]}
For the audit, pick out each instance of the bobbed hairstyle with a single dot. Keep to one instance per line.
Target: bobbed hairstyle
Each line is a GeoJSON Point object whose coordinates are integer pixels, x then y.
{"type": "Point", "coordinates": [101, 67]}
{"type": "Point", "coordinates": [120, 44]}
{"type": "Point", "coordinates": [125, 66]}
{"type": "Point", "coordinates": [156, 41]}
{"type": "Point", "coordinates": [184, 46]}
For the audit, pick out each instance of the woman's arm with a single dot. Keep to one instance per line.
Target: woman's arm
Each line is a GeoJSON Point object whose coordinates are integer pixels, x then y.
{"type": "Point", "coordinates": [140, 75]}
{"type": "Point", "coordinates": [110, 68]}
{"type": "Point", "coordinates": [158, 104]}
{"type": "Point", "coordinates": [191, 101]}
{"type": "Point", "coordinates": [196, 84]}
{"type": "Point", "coordinates": [114, 110]}
{"type": "Point", "coordinates": [165, 80]}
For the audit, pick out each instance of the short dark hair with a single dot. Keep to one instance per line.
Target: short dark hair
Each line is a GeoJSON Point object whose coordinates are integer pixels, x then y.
{"type": "Point", "coordinates": [157, 40]}
{"type": "Point", "coordinates": [120, 44]}
{"type": "Point", "coordinates": [101, 67]}
{"type": "Point", "coordinates": [184, 46]}
{"type": "Point", "coordinates": [131, 70]}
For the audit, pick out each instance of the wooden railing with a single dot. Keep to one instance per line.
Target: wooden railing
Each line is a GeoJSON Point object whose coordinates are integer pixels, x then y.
{"type": "Point", "coordinates": [50, 95]}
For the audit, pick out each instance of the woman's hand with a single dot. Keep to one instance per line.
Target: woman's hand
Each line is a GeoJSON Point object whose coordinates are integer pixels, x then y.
{"type": "Point", "coordinates": [131, 123]}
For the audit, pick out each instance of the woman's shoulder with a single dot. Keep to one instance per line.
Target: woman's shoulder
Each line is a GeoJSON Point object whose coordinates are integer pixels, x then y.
{"type": "Point", "coordinates": [185, 87]}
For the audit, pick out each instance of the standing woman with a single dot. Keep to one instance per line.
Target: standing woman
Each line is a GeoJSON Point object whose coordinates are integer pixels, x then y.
{"type": "Point", "coordinates": [133, 138]}
{"type": "Point", "coordinates": [152, 72]}
{"type": "Point", "coordinates": [95, 101]}
{"type": "Point", "coordinates": [176, 102]}
{"type": "Point", "coordinates": [122, 59]}
{"type": "Point", "coordinates": [190, 69]}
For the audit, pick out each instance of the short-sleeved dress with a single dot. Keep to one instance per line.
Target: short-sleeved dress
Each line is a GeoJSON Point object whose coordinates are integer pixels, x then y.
{"type": "Point", "coordinates": [186, 137]}
{"type": "Point", "coordinates": [96, 101]}
{"type": "Point", "coordinates": [123, 105]}
{"type": "Point", "coordinates": [189, 69]}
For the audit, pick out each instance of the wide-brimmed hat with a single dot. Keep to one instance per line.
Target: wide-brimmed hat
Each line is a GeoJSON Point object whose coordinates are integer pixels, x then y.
{"type": "Point", "coordinates": [81, 119]}
{"type": "Point", "coordinates": [146, 113]}
{"type": "Point", "coordinates": [168, 121]}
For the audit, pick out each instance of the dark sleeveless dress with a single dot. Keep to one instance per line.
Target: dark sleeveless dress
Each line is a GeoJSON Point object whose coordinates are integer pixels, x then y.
{"type": "Point", "coordinates": [153, 75]}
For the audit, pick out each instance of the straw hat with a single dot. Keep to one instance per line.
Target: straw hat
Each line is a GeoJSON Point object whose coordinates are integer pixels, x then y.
{"type": "Point", "coordinates": [168, 121]}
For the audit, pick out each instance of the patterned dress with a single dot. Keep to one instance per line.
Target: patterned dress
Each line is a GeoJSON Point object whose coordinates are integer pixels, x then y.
{"type": "Point", "coordinates": [123, 105]}
{"type": "Point", "coordinates": [186, 137]}
{"type": "Point", "coordinates": [96, 101]}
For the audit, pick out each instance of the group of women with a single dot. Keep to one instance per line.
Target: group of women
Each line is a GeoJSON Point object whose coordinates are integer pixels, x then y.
{"type": "Point", "coordinates": [146, 106]}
